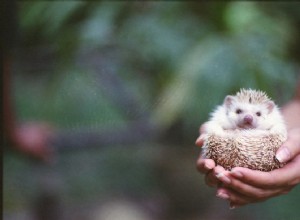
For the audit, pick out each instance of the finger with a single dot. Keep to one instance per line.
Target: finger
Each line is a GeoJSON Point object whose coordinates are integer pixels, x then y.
{"type": "Point", "coordinates": [255, 177]}
{"type": "Point", "coordinates": [200, 140]}
{"type": "Point", "coordinates": [222, 175]}
{"type": "Point", "coordinates": [238, 199]}
{"type": "Point", "coordinates": [205, 165]}
{"type": "Point", "coordinates": [286, 176]}
{"type": "Point", "coordinates": [255, 193]}
{"type": "Point", "coordinates": [291, 147]}
{"type": "Point", "coordinates": [211, 178]}
{"type": "Point", "coordinates": [234, 197]}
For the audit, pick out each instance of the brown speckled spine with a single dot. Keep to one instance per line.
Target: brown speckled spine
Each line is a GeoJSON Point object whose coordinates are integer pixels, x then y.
{"type": "Point", "coordinates": [257, 153]}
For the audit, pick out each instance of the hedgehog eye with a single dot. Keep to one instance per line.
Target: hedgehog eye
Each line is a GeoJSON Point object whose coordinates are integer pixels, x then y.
{"type": "Point", "coordinates": [238, 111]}
{"type": "Point", "coordinates": [258, 114]}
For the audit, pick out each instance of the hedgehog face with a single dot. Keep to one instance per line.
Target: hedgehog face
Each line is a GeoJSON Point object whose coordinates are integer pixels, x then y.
{"type": "Point", "coordinates": [245, 115]}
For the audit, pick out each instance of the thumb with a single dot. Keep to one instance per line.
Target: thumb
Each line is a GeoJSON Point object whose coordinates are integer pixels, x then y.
{"type": "Point", "coordinates": [200, 140]}
{"type": "Point", "coordinates": [290, 148]}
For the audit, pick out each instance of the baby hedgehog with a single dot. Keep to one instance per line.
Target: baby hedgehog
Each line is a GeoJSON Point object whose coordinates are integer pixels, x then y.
{"type": "Point", "coordinates": [245, 131]}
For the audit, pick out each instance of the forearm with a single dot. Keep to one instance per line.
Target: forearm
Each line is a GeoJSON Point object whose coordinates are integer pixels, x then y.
{"type": "Point", "coordinates": [291, 111]}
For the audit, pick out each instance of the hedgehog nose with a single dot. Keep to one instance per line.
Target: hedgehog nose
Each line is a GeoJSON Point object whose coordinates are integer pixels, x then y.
{"type": "Point", "coordinates": [248, 119]}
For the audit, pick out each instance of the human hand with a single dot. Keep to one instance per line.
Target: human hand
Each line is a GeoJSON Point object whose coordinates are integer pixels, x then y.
{"type": "Point", "coordinates": [244, 186]}
{"type": "Point", "coordinates": [208, 167]}
{"type": "Point", "coordinates": [33, 138]}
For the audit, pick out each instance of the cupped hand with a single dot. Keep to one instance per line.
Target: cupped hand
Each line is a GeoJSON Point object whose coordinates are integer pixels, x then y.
{"type": "Point", "coordinates": [249, 186]}
{"type": "Point", "coordinates": [208, 166]}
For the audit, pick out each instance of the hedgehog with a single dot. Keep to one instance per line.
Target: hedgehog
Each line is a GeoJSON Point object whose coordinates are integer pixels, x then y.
{"type": "Point", "coordinates": [245, 131]}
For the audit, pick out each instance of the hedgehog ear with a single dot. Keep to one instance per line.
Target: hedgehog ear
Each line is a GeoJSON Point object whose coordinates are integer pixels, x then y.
{"type": "Point", "coordinates": [228, 100]}
{"type": "Point", "coordinates": [270, 106]}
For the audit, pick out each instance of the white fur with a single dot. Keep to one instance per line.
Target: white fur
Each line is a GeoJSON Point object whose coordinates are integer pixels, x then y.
{"type": "Point", "coordinates": [225, 119]}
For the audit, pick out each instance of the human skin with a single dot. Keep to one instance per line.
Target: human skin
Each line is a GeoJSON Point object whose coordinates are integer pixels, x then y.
{"type": "Point", "coordinates": [30, 138]}
{"type": "Point", "coordinates": [242, 186]}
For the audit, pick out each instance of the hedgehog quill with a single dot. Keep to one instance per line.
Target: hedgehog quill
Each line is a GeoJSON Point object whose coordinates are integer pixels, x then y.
{"type": "Point", "coordinates": [245, 131]}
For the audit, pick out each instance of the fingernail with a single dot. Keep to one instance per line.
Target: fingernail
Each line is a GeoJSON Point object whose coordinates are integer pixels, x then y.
{"type": "Point", "coordinates": [236, 173]}
{"type": "Point", "coordinates": [223, 178]}
{"type": "Point", "coordinates": [232, 207]}
{"type": "Point", "coordinates": [223, 195]}
{"type": "Point", "coordinates": [219, 175]}
{"type": "Point", "coordinates": [208, 166]}
{"type": "Point", "coordinates": [283, 155]}
{"type": "Point", "coordinates": [199, 141]}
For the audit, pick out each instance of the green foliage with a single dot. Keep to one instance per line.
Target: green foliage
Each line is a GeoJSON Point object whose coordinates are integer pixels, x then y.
{"type": "Point", "coordinates": [73, 100]}
{"type": "Point", "coordinates": [174, 60]}
{"type": "Point", "coordinates": [189, 61]}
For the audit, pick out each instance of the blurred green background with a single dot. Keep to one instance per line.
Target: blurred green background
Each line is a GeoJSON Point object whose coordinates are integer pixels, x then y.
{"type": "Point", "coordinates": [144, 76]}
